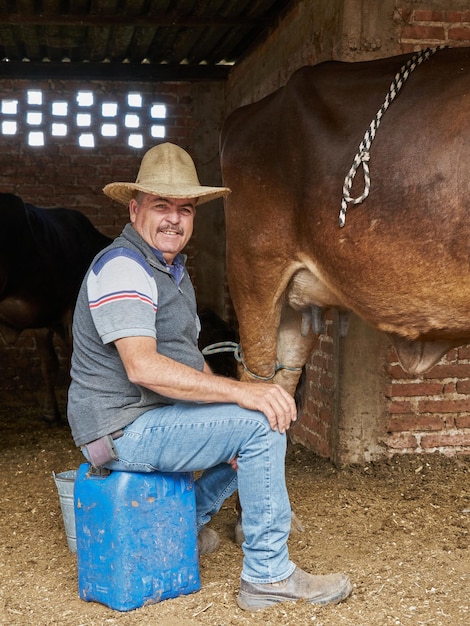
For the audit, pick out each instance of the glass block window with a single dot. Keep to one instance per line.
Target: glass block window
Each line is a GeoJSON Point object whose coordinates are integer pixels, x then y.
{"type": "Point", "coordinates": [94, 119]}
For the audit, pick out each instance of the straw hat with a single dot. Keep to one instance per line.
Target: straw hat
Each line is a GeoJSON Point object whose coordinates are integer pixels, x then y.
{"type": "Point", "coordinates": [168, 171]}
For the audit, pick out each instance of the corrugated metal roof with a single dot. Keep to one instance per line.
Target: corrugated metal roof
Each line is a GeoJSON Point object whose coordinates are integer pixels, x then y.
{"type": "Point", "coordinates": [130, 39]}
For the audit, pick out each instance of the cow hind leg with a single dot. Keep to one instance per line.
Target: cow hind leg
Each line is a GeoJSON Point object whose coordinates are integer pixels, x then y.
{"type": "Point", "coordinates": [49, 370]}
{"type": "Point", "coordinates": [293, 349]}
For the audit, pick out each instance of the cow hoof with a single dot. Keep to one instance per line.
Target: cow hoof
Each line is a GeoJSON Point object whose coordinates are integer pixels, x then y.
{"type": "Point", "coordinates": [52, 420]}
{"type": "Point", "coordinates": [239, 536]}
{"type": "Point", "coordinates": [296, 525]}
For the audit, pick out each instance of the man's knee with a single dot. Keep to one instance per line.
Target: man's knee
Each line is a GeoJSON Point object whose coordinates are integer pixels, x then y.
{"type": "Point", "coordinates": [261, 427]}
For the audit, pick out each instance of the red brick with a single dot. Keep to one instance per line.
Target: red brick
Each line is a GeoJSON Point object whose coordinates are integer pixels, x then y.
{"type": "Point", "coordinates": [449, 388]}
{"type": "Point", "coordinates": [400, 407]}
{"type": "Point", "coordinates": [449, 421]}
{"type": "Point", "coordinates": [414, 423]}
{"type": "Point", "coordinates": [422, 15]}
{"type": "Point", "coordinates": [416, 389]}
{"type": "Point", "coordinates": [327, 381]}
{"type": "Point", "coordinates": [325, 416]}
{"type": "Point", "coordinates": [401, 441]}
{"type": "Point", "coordinates": [444, 406]}
{"type": "Point", "coordinates": [319, 361]}
{"type": "Point", "coordinates": [321, 430]}
{"type": "Point", "coordinates": [408, 48]}
{"type": "Point", "coordinates": [457, 370]}
{"type": "Point", "coordinates": [326, 345]}
{"type": "Point", "coordinates": [318, 445]}
{"type": "Point", "coordinates": [323, 396]}
{"type": "Point", "coordinates": [445, 440]}
{"type": "Point", "coordinates": [424, 33]}
{"type": "Point", "coordinates": [459, 33]}
{"type": "Point", "coordinates": [463, 386]}
{"type": "Point", "coordinates": [462, 421]}
{"type": "Point", "coordinates": [457, 16]}
{"type": "Point", "coordinates": [451, 356]}
{"type": "Point", "coordinates": [464, 352]}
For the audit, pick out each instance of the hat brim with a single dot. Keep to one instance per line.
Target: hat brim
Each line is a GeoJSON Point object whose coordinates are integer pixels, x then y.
{"type": "Point", "coordinates": [124, 192]}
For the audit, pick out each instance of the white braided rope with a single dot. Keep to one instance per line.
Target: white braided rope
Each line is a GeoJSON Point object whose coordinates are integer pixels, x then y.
{"type": "Point", "coordinates": [231, 346]}
{"type": "Point", "coordinates": [362, 156]}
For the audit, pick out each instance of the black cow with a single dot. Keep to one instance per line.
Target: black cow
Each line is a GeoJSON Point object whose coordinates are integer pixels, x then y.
{"type": "Point", "coordinates": [44, 254]}
{"type": "Point", "coordinates": [215, 330]}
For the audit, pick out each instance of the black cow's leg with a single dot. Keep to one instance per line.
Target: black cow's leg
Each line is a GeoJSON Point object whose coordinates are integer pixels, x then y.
{"type": "Point", "coordinates": [49, 370]}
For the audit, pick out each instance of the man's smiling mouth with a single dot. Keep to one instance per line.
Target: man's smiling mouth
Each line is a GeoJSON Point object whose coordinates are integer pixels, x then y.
{"type": "Point", "coordinates": [170, 232]}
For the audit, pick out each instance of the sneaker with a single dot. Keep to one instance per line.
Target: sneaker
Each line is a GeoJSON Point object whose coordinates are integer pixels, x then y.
{"type": "Point", "coordinates": [208, 540]}
{"type": "Point", "coordinates": [328, 589]}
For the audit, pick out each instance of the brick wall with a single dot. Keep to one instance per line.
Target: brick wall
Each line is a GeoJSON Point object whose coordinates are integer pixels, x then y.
{"type": "Point", "coordinates": [430, 413]}
{"type": "Point", "coordinates": [432, 27]}
{"type": "Point", "coordinates": [315, 424]}
{"type": "Point", "coordinates": [62, 173]}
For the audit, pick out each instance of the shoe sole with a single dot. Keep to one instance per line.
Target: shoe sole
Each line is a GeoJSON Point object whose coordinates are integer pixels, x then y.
{"type": "Point", "coordinates": [257, 602]}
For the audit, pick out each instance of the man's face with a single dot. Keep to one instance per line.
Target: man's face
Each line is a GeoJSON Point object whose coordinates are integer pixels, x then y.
{"type": "Point", "coordinates": [164, 223]}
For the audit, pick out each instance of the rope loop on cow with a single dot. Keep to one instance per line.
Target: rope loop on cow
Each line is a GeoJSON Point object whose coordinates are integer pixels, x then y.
{"type": "Point", "coordinates": [231, 346]}
{"type": "Point", "coordinates": [362, 156]}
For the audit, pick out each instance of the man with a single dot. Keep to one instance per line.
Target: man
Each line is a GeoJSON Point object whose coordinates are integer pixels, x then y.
{"type": "Point", "coordinates": [143, 399]}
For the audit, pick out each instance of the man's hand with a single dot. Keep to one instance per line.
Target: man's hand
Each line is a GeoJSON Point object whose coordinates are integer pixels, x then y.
{"type": "Point", "coordinates": [272, 400]}
{"type": "Point", "coordinates": [234, 463]}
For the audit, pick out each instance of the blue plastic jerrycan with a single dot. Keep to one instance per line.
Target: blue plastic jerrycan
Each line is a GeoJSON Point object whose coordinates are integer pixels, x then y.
{"type": "Point", "coordinates": [136, 537]}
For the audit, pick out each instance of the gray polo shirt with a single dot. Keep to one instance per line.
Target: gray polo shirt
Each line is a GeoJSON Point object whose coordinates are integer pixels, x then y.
{"type": "Point", "coordinates": [128, 291]}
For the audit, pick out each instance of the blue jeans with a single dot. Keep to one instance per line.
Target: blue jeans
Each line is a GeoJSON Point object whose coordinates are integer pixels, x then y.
{"type": "Point", "coordinates": [187, 437]}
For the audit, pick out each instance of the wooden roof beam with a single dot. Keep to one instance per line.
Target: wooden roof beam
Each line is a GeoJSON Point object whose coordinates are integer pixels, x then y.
{"type": "Point", "coordinates": [151, 21]}
{"type": "Point", "coordinates": [133, 72]}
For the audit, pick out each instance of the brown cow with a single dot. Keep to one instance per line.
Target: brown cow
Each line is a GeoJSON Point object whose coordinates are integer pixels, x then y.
{"type": "Point", "coordinates": [401, 262]}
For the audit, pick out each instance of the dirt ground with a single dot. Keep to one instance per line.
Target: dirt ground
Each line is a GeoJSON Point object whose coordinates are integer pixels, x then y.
{"type": "Point", "coordinates": [400, 528]}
